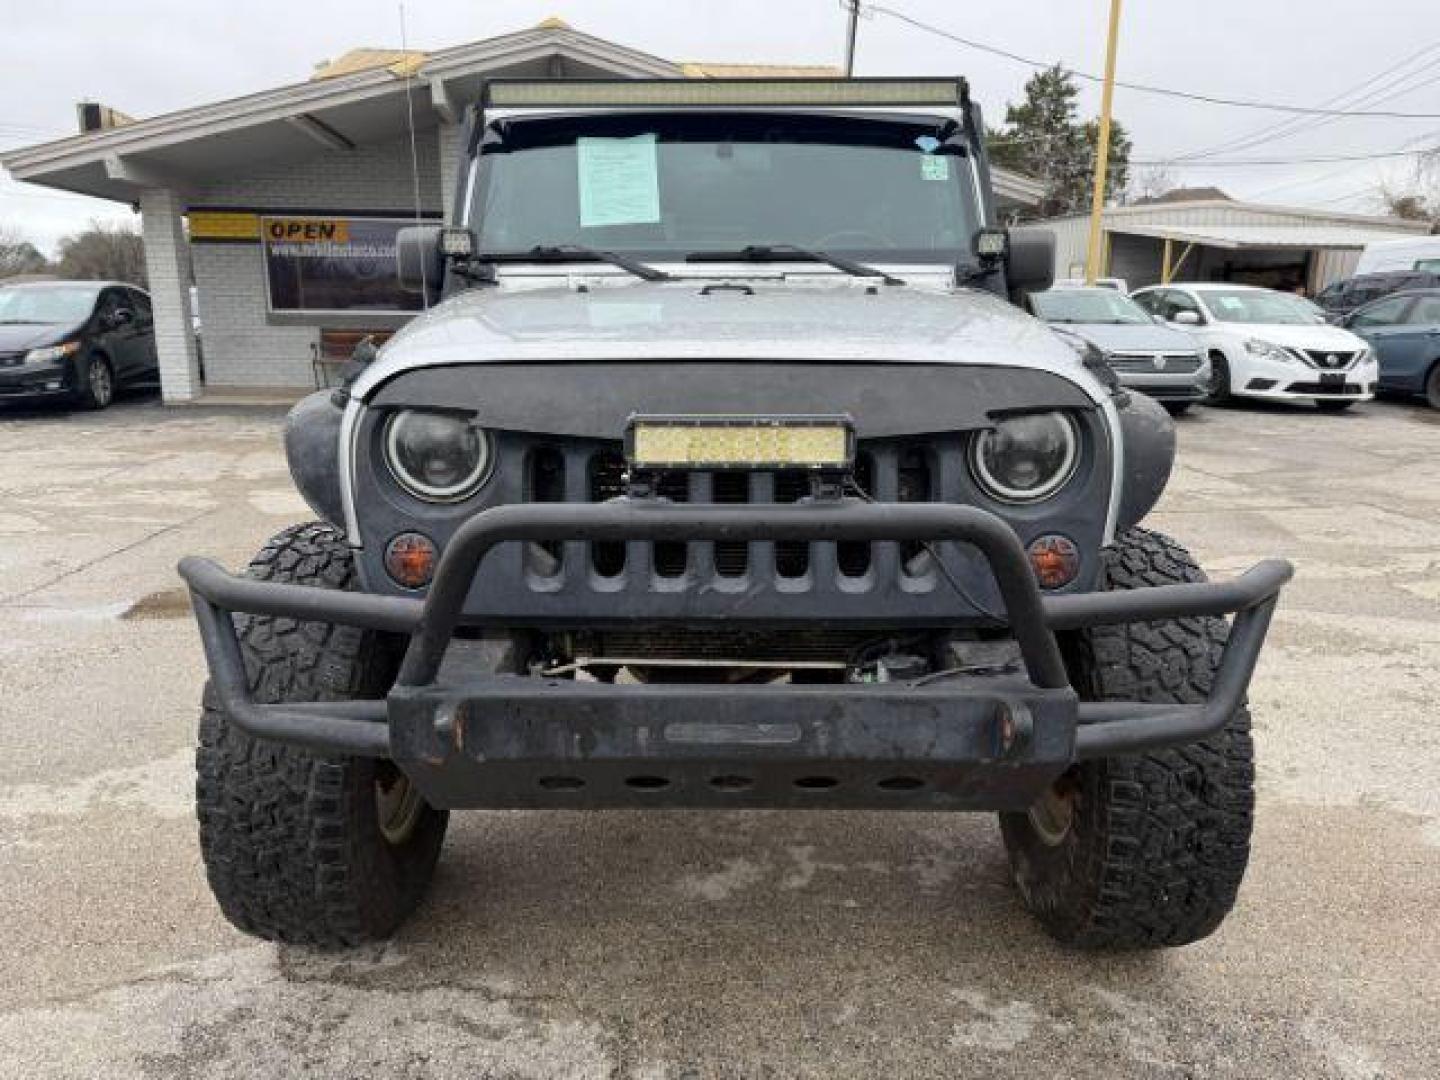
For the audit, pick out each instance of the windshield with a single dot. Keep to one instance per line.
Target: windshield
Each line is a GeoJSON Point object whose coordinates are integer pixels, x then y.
{"type": "Point", "coordinates": [47, 304]}
{"type": "Point", "coordinates": [677, 184]}
{"type": "Point", "coordinates": [1089, 306]}
{"type": "Point", "coordinates": [1259, 306]}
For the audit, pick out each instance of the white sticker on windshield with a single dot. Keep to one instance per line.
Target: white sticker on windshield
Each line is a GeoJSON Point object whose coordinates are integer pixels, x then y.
{"type": "Point", "coordinates": [619, 181]}
{"type": "Point", "coordinates": [935, 168]}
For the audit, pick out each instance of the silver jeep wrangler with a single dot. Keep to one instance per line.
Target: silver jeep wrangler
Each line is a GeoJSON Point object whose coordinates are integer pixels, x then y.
{"type": "Point", "coordinates": [722, 470]}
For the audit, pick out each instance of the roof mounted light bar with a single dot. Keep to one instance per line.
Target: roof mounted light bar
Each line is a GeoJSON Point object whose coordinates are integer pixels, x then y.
{"type": "Point", "coordinates": [680, 93]}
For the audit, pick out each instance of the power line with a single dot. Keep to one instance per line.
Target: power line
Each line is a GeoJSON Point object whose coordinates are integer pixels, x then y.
{"type": "Point", "coordinates": [1292, 126]}
{"type": "Point", "coordinates": [1208, 99]}
{"type": "Point", "coordinates": [1241, 162]}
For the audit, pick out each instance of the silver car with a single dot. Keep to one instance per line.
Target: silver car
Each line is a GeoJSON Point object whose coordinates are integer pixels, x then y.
{"type": "Point", "coordinates": [1148, 356]}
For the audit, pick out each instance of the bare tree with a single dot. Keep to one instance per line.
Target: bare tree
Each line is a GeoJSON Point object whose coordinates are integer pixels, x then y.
{"type": "Point", "coordinates": [18, 255]}
{"type": "Point", "coordinates": [105, 252]}
{"type": "Point", "coordinates": [1152, 182]}
{"type": "Point", "coordinates": [1417, 198]}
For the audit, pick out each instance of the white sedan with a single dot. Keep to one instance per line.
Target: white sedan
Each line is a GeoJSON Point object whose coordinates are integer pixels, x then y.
{"type": "Point", "coordinates": [1267, 344]}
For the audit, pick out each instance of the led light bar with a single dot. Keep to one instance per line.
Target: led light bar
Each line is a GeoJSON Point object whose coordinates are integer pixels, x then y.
{"type": "Point", "coordinates": [819, 443]}
{"type": "Point", "coordinates": [599, 93]}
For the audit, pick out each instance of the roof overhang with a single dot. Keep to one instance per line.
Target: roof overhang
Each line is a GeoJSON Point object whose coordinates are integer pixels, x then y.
{"type": "Point", "coordinates": [1258, 237]}
{"type": "Point", "coordinates": [194, 146]}
{"type": "Point", "coordinates": [192, 149]}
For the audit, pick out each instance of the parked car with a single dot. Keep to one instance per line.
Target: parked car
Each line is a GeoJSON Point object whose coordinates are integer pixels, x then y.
{"type": "Point", "coordinates": [1343, 297]}
{"type": "Point", "coordinates": [1404, 332]}
{"type": "Point", "coordinates": [1114, 284]}
{"type": "Point", "coordinates": [1266, 344]}
{"type": "Point", "coordinates": [1409, 253]}
{"type": "Point", "coordinates": [1147, 355]}
{"type": "Point", "coordinates": [75, 339]}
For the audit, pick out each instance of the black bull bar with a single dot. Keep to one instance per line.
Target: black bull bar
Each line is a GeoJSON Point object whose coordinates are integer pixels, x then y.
{"type": "Point", "coordinates": [516, 741]}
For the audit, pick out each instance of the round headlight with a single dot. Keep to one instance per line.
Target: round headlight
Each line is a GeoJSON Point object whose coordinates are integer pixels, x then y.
{"type": "Point", "coordinates": [436, 456]}
{"type": "Point", "coordinates": [1026, 458]}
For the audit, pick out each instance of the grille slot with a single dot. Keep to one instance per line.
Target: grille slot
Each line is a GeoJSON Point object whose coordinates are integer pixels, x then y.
{"type": "Point", "coordinates": [595, 472]}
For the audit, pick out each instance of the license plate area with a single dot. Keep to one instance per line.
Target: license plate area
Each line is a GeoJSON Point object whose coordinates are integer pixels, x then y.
{"type": "Point", "coordinates": [1335, 384]}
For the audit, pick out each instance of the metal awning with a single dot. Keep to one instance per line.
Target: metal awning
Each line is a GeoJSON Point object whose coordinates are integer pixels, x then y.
{"type": "Point", "coordinates": [1253, 237]}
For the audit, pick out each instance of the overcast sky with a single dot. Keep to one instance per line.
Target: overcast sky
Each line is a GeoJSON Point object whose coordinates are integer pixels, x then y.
{"type": "Point", "coordinates": [152, 56]}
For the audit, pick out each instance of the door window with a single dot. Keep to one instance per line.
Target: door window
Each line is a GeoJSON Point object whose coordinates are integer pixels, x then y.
{"type": "Point", "coordinates": [140, 304]}
{"type": "Point", "coordinates": [1426, 312]}
{"type": "Point", "coordinates": [1384, 313]}
{"type": "Point", "coordinates": [110, 302]}
{"type": "Point", "coordinates": [1176, 302]}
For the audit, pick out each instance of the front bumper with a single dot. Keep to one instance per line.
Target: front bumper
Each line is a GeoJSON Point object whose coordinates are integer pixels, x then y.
{"type": "Point", "coordinates": [34, 380]}
{"type": "Point", "coordinates": [1275, 381]}
{"type": "Point", "coordinates": [976, 740]}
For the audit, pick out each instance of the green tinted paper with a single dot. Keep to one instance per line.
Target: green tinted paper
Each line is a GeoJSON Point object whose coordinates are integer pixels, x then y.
{"type": "Point", "coordinates": [619, 181]}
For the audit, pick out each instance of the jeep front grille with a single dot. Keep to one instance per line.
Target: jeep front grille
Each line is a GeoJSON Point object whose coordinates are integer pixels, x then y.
{"type": "Point", "coordinates": [891, 472]}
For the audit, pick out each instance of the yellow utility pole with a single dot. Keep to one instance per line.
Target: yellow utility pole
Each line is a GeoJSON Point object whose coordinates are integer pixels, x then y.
{"type": "Point", "coordinates": [1102, 151]}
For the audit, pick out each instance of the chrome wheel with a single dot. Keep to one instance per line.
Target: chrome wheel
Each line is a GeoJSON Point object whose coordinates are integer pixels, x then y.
{"type": "Point", "coordinates": [102, 386]}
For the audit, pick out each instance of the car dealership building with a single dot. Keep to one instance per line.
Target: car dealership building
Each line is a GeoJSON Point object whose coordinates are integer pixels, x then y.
{"type": "Point", "coordinates": [281, 207]}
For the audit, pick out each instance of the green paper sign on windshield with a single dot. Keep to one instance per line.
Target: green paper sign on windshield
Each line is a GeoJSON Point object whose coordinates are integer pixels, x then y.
{"type": "Point", "coordinates": [619, 181]}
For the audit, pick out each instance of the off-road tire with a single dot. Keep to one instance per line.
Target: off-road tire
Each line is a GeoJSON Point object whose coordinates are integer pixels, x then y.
{"type": "Point", "coordinates": [291, 840]}
{"type": "Point", "coordinates": [1218, 393]}
{"type": "Point", "coordinates": [1156, 843]}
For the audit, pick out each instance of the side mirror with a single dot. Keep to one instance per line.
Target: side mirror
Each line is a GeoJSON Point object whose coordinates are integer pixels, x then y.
{"type": "Point", "coordinates": [418, 261]}
{"type": "Point", "coordinates": [120, 317]}
{"type": "Point", "coordinates": [1186, 318]}
{"type": "Point", "coordinates": [1030, 267]}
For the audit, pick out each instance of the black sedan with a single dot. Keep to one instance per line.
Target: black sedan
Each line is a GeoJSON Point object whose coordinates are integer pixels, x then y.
{"type": "Point", "coordinates": [79, 340]}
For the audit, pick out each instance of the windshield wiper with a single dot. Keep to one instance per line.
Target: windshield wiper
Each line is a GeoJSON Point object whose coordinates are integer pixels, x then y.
{"type": "Point", "coordinates": [782, 252]}
{"type": "Point", "coordinates": [20, 322]}
{"type": "Point", "coordinates": [561, 252]}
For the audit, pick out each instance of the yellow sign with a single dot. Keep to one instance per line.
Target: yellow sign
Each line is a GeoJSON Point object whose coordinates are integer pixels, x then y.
{"type": "Point", "coordinates": [307, 230]}
{"type": "Point", "coordinates": [223, 225]}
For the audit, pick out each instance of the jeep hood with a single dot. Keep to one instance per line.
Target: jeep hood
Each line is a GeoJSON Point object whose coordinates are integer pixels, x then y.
{"type": "Point", "coordinates": [692, 320]}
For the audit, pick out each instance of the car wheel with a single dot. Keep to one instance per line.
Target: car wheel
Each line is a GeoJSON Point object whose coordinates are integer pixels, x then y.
{"type": "Point", "coordinates": [1177, 408]}
{"type": "Point", "coordinates": [1142, 851]}
{"type": "Point", "coordinates": [1218, 391]}
{"type": "Point", "coordinates": [326, 851]}
{"type": "Point", "coordinates": [1432, 387]}
{"type": "Point", "coordinates": [97, 384]}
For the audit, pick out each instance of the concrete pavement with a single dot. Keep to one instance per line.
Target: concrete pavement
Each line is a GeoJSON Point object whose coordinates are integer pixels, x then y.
{"type": "Point", "coordinates": [680, 944]}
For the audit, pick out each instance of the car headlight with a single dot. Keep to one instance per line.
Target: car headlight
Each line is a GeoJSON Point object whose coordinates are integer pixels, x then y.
{"type": "Point", "coordinates": [51, 353]}
{"type": "Point", "coordinates": [1026, 458]}
{"type": "Point", "coordinates": [1267, 350]}
{"type": "Point", "coordinates": [438, 457]}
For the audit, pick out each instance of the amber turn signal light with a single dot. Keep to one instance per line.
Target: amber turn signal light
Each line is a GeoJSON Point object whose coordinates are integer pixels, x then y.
{"type": "Point", "coordinates": [410, 560]}
{"type": "Point", "coordinates": [1056, 560]}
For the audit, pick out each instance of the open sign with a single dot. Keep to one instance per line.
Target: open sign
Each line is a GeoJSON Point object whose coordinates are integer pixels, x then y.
{"type": "Point", "coordinates": [291, 230]}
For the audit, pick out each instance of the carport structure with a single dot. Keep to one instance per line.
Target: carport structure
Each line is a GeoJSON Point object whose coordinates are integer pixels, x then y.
{"type": "Point", "coordinates": [338, 149]}
{"type": "Point", "coordinates": [1219, 239]}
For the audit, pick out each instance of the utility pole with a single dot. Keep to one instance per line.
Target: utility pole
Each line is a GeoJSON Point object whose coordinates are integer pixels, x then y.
{"type": "Point", "coordinates": [853, 7]}
{"type": "Point", "coordinates": [1093, 253]}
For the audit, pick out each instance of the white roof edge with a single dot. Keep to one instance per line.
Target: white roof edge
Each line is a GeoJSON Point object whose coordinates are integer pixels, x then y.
{"type": "Point", "coordinates": [1399, 224]}
{"type": "Point", "coordinates": [267, 105]}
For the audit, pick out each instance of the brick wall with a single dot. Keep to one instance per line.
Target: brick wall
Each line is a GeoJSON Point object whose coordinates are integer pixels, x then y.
{"type": "Point", "coordinates": [243, 344]}
{"type": "Point", "coordinates": [167, 263]}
